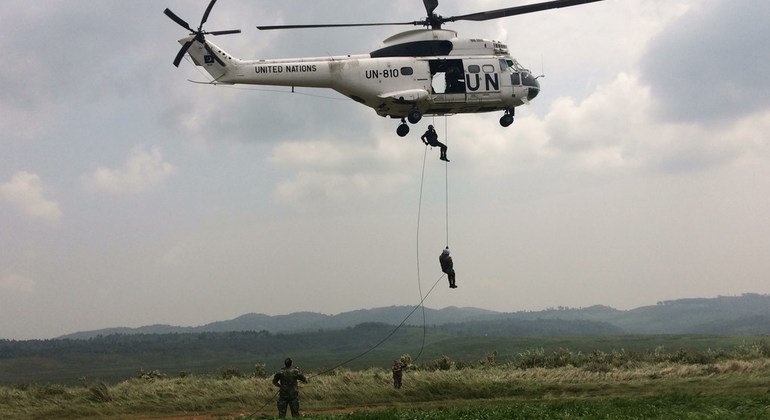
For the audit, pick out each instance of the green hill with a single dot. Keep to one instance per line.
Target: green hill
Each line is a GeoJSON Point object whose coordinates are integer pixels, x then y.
{"type": "Point", "coordinates": [720, 315]}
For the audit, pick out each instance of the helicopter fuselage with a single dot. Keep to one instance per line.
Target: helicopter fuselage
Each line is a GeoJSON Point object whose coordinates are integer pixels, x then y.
{"type": "Point", "coordinates": [429, 70]}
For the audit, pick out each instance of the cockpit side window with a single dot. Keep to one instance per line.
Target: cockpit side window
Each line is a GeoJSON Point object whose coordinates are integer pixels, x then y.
{"type": "Point", "coordinates": [506, 64]}
{"type": "Point", "coordinates": [515, 79]}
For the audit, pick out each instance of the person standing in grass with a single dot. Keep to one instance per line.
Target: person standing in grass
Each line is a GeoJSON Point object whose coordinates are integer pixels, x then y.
{"type": "Point", "coordinates": [398, 373]}
{"type": "Point", "coordinates": [288, 394]}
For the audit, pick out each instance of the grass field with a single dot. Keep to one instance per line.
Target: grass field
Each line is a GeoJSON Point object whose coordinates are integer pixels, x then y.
{"type": "Point", "coordinates": [553, 385]}
{"type": "Point", "coordinates": [113, 359]}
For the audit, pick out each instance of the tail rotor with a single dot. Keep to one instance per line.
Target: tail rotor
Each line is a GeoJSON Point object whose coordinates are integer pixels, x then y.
{"type": "Point", "coordinates": [200, 34]}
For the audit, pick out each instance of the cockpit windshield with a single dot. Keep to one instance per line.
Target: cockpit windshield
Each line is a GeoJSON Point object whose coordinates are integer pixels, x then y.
{"type": "Point", "coordinates": [511, 65]}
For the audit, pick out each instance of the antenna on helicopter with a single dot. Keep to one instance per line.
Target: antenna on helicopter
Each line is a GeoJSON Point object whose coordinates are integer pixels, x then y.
{"type": "Point", "coordinates": [199, 34]}
{"type": "Point", "coordinates": [542, 68]}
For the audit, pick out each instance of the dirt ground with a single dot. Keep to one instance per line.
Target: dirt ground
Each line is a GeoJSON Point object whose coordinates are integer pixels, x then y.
{"type": "Point", "coordinates": [263, 413]}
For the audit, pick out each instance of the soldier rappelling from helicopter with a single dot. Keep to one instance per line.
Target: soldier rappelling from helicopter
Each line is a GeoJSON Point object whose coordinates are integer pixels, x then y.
{"type": "Point", "coordinates": [430, 138]}
{"type": "Point", "coordinates": [447, 266]}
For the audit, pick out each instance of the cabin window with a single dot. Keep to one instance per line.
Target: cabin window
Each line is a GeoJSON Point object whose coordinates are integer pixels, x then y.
{"type": "Point", "coordinates": [407, 71]}
{"type": "Point", "coordinates": [488, 68]}
{"type": "Point", "coordinates": [473, 68]}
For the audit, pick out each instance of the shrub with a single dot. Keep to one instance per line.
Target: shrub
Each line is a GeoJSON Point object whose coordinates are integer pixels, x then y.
{"type": "Point", "coordinates": [150, 375]}
{"type": "Point", "coordinates": [539, 358]}
{"type": "Point", "coordinates": [442, 363]}
{"type": "Point", "coordinates": [753, 350]}
{"type": "Point", "coordinates": [230, 373]}
{"type": "Point", "coordinates": [259, 370]}
{"type": "Point", "coordinates": [406, 360]}
{"type": "Point", "coordinates": [489, 360]}
{"type": "Point", "coordinates": [530, 359]}
{"type": "Point", "coordinates": [100, 392]}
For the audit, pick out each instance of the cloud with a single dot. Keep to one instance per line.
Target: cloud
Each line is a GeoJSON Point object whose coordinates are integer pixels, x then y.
{"type": "Point", "coordinates": [319, 186]}
{"type": "Point", "coordinates": [333, 171]}
{"type": "Point", "coordinates": [613, 129]}
{"type": "Point", "coordinates": [26, 191]}
{"type": "Point", "coordinates": [711, 65]}
{"type": "Point", "coordinates": [15, 282]}
{"type": "Point", "coordinates": [142, 171]}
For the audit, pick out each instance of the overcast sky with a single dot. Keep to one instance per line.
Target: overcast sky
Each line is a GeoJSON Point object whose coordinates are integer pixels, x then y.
{"type": "Point", "coordinates": [129, 196]}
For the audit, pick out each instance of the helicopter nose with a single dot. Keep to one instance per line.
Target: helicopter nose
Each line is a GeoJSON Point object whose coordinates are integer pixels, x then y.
{"type": "Point", "coordinates": [533, 85]}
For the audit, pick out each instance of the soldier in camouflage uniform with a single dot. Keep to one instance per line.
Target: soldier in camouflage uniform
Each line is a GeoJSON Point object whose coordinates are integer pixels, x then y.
{"type": "Point", "coordinates": [398, 373]}
{"type": "Point", "coordinates": [286, 379]}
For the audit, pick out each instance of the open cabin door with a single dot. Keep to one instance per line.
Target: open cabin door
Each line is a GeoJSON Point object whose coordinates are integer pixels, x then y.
{"type": "Point", "coordinates": [448, 80]}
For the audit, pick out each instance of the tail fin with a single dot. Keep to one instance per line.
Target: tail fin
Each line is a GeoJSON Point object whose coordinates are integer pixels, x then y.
{"type": "Point", "coordinates": [213, 59]}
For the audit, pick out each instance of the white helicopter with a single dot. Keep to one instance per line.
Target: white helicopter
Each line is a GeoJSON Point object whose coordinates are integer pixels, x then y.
{"type": "Point", "coordinates": [419, 72]}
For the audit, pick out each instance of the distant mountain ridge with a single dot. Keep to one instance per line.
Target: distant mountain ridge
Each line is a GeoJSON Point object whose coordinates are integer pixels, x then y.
{"type": "Point", "coordinates": [748, 314]}
{"type": "Point", "coordinates": [307, 321]}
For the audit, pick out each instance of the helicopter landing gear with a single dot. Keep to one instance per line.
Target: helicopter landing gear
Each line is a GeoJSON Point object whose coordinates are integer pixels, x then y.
{"type": "Point", "coordinates": [507, 118]}
{"type": "Point", "coordinates": [414, 116]}
{"type": "Point", "coordinates": [403, 129]}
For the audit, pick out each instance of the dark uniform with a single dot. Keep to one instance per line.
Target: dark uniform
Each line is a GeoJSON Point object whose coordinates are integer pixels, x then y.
{"type": "Point", "coordinates": [431, 139]}
{"type": "Point", "coordinates": [398, 373]}
{"type": "Point", "coordinates": [288, 395]}
{"type": "Point", "coordinates": [448, 267]}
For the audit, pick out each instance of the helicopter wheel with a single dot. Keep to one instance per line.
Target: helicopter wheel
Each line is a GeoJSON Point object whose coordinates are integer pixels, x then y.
{"type": "Point", "coordinates": [402, 130]}
{"type": "Point", "coordinates": [414, 116]}
{"type": "Point", "coordinates": [506, 120]}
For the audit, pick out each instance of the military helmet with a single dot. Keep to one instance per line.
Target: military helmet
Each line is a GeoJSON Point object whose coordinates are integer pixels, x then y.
{"type": "Point", "coordinates": [445, 251]}
{"type": "Point", "coordinates": [430, 127]}
{"type": "Point", "coordinates": [287, 362]}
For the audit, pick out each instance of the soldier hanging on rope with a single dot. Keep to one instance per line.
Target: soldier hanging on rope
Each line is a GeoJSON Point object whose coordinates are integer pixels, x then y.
{"type": "Point", "coordinates": [447, 267]}
{"type": "Point", "coordinates": [430, 138]}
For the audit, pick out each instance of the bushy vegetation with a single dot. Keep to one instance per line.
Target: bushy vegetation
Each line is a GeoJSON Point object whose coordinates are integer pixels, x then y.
{"type": "Point", "coordinates": [537, 383]}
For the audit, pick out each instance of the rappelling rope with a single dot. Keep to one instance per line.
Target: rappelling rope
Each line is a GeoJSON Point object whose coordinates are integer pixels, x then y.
{"type": "Point", "coordinates": [446, 181]}
{"type": "Point", "coordinates": [417, 247]}
{"type": "Point", "coordinates": [393, 331]}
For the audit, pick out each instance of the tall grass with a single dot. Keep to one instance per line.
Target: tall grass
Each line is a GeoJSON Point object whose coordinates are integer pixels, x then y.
{"type": "Point", "coordinates": [545, 384]}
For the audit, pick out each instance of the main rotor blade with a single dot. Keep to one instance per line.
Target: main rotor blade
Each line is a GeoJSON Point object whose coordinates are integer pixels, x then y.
{"type": "Point", "coordinates": [231, 31]}
{"type": "Point", "coordinates": [335, 25]}
{"type": "Point", "coordinates": [182, 51]}
{"type": "Point", "coordinates": [206, 14]}
{"type": "Point", "coordinates": [517, 10]}
{"type": "Point", "coordinates": [430, 6]}
{"type": "Point", "coordinates": [177, 19]}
